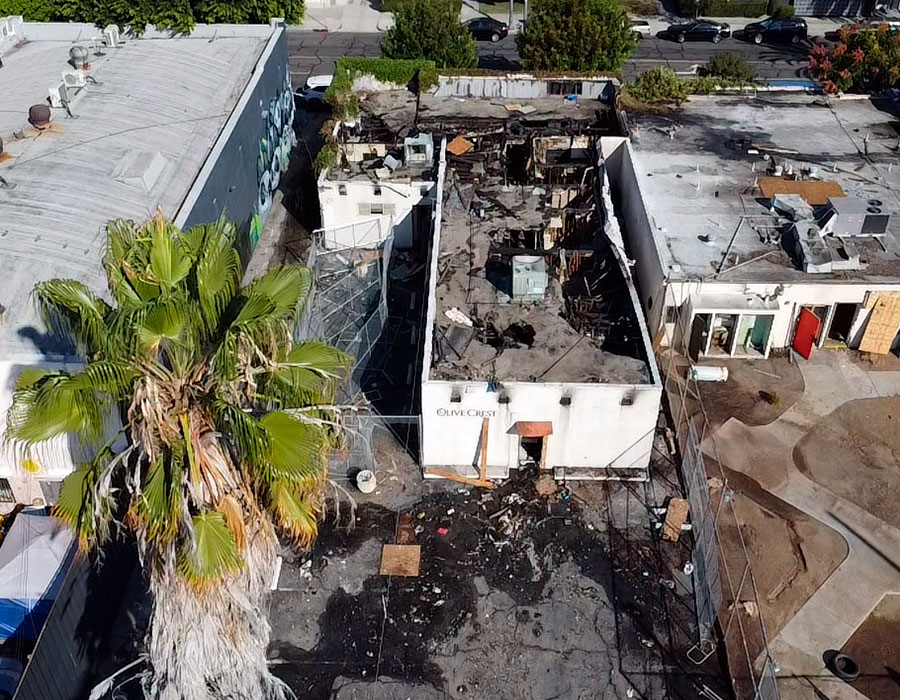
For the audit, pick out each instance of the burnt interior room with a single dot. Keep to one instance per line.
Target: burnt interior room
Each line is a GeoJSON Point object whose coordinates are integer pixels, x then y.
{"type": "Point", "coordinates": [525, 263]}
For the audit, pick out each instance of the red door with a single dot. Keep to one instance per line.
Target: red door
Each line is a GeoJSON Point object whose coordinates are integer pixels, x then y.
{"type": "Point", "coordinates": [807, 331]}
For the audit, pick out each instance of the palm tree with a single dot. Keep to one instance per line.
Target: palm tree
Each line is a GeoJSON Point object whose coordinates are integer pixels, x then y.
{"type": "Point", "coordinates": [226, 428]}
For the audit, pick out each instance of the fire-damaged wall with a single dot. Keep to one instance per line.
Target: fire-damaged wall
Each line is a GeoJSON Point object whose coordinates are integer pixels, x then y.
{"type": "Point", "coordinates": [244, 168]}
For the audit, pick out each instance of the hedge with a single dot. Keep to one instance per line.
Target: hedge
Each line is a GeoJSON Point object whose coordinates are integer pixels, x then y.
{"type": "Point", "coordinates": [724, 8]}
{"type": "Point", "coordinates": [390, 70]}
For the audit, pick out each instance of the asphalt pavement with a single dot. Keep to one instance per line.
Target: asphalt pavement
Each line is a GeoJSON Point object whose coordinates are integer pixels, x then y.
{"type": "Point", "coordinates": [317, 52]}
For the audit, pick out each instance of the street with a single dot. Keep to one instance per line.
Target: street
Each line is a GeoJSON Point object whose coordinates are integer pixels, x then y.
{"type": "Point", "coordinates": [318, 51]}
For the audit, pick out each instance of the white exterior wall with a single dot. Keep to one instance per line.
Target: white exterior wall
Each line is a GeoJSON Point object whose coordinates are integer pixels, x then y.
{"type": "Point", "coordinates": [54, 458]}
{"type": "Point", "coordinates": [595, 430]}
{"type": "Point", "coordinates": [648, 266]}
{"type": "Point", "coordinates": [340, 210]}
{"type": "Point", "coordinates": [687, 294]}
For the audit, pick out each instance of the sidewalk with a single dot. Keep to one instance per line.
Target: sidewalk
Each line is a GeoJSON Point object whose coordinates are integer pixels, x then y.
{"type": "Point", "coordinates": [872, 567]}
{"type": "Point", "coordinates": [360, 16]}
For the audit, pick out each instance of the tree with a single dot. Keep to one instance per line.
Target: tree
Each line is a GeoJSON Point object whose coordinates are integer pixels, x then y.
{"type": "Point", "coordinates": [863, 61]}
{"type": "Point", "coordinates": [430, 29]}
{"type": "Point", "coordinates": [226, 428]}
{"type": "Point", "coordinates": [176, 15]}
{"type": "Point", "coordinates": [576, 35]}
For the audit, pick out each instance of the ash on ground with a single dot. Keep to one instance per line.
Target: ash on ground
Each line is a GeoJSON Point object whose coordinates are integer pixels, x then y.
{"type": "Point", "coordinates": [569, 594]}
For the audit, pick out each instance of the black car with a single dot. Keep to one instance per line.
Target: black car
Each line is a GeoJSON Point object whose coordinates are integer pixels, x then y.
{"type": "Point", "coordinates": [699, 30]}
{"type": "Point", "coordinates": [487, 29]}
{"type": "Point", "coordinates": [791, 30]}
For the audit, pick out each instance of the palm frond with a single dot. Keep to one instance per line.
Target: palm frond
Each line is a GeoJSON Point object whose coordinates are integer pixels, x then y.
{"type": "Point", "coordinates": [234, 518]}
{"type": "Point", "coordinates": [211, 554]}
{"type": "Point", "coordinates": [296, 509]}
{"type": "Point", "coordinates": [286, 286]}
{"type": "Point", "coordinates": [83, 507]}
{"type": "Point", "coordinates": [106, 377]}
{"type": "Point", "coordinates": [296, 449]}
{"type": "Point", "coordinates": [308, 374]}
{"type": "Point", "coordinates": [217, 275]}
{"type": "Point", "coordinates": [244, 432]}
{"type": "Point", "coordinates": [169, 264]}
{"type": "Point", "coordinates": [55, 405]}
{"type": "Point", "coordinates": [165, 321]}
{"type": "Point", "coordinates": [70, 308]}
{"type": "Point", "coordinates": [159, 504]}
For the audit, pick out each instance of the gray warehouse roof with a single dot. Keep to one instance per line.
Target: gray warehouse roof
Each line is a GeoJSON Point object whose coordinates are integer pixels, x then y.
{"type": "Point", "coordinates": [699, 170]}
{"type": "Point", "coordinates": [136, 140]}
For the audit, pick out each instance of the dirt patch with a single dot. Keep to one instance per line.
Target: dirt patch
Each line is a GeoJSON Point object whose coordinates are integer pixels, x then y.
{"type": "Point", "coordinates": [875, 648]}
{"type": "Point", "coordinates": [756, 393]}
{"type": "Point", "coordinates": [855, 453]}
{"type": "Point", "coordinates": [791, 554]}
{"type": "Point", "coordinates": [875, 363]}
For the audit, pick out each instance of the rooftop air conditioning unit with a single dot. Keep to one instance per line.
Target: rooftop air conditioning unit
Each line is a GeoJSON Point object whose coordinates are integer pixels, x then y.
{"type": "Point", "coordinates": [855, 216]}
{"type": "Point", "coordinates": [74, 79]}
{"type": "Point", "coordinates": [59, 95]}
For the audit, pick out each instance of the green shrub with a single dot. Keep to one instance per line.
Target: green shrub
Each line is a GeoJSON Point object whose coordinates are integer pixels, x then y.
{"type": "Point", "coordinates": [389, 70]}
{"type": "Point", "coordinates": [783, 11]}
{"type": "Point", "coordinates": [730, 67]}
{"type": "Point", "coordinates": [327, 157]}
{"type": "Point", "coordinates": [658, 85]}
{"type": "Point", "coordinates": [723, 8]}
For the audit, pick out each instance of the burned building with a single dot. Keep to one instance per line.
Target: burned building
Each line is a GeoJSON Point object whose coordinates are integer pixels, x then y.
{"type": "Point", "coordinates": [533, 349]}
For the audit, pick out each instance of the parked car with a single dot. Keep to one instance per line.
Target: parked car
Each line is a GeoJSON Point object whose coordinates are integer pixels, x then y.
{"type": "Point", "coordinates": [641, 28]}
{"type": "Point", "coordinates": [487, 29]}
{"type": "Point", "coordinates": [311, 98]}
{"type": "Point", "coordinates": [892, 24]}
{"type": "Point", "coordinates": [698, 30]}
{"type": "Point", "coordinates": [791, 30]}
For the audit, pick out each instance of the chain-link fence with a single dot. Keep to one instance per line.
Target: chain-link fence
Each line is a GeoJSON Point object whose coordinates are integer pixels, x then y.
{"type": "Point", "coordinates": [725, 589]}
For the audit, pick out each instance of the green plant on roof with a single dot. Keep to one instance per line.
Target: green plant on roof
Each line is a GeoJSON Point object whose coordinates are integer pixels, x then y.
{"type": "Point", "coordinates": [226, 427]}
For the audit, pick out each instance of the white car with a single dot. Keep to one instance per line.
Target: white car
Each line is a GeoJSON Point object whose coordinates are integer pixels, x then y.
{"type": "Point", "coordinates": [312, 95]}
{"type": "Point", "coordinates": [893, 24]}
{"type": "Point", "coordinates": [641, 28]}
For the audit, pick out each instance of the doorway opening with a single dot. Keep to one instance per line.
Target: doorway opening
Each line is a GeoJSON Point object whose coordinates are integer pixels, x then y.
{"type": "Point", "coordinates": [753, 335]}
{"type": "Point", "coordinates": [722, 335]}
{"type": "Point", "coordinates": [699, 335]}
{"type": "Point", "coordinates": [531, 450]}
{"type": "Point", "coordinates": [842, 322]}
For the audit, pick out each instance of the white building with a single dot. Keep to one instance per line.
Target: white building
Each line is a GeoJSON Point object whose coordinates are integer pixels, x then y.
{"type": "Point", "coordinates": [180, 124]}
{"type": "Point", "coordinates": [534, 349]}
{"type": "Point", "coordinates": [762, 223]}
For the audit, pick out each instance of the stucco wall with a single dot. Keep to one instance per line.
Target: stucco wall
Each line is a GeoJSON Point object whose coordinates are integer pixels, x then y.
{"type": "Point", "coordinates": [339, 210]}
{"type": "Point", "coordinates": [595, 430]}
{"type": "Point", "coordinates": [518, 86]}
{"type": "Point", "coordinates": [634, 218]}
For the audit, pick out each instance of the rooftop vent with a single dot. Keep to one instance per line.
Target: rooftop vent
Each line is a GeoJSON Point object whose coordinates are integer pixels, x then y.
{"type": "Point", "coordinates": [111, 37]}
{"type": "Point", "coordinates": [78, 57]}
{"type": "Point", "coordinates": [39, 116]}
{"type": "Point", "coordinates": [140, 169]}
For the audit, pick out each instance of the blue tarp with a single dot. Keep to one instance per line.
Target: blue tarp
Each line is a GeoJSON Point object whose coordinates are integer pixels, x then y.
{"type": "Point", "coordinates": [32, 558]}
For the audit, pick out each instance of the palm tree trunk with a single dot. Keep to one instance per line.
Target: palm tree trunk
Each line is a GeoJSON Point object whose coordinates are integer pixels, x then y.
{"type": "Point", "coordinates": [210, 643]}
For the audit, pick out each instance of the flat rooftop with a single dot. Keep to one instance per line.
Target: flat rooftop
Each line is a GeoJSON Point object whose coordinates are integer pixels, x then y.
{"type": "Point", "coordinates": [699, 169]}
{"type": "Point", "coordinates": [138, 136]}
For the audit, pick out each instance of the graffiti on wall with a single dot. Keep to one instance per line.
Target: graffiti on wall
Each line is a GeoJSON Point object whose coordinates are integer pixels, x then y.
{"type": "Point", "coordinates": [275, 149]}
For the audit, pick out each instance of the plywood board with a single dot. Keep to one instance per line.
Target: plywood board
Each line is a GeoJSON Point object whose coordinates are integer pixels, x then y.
{"type": "Point", "coordinates": [676, 516]}
{"type": "Point", "coordinates": [459, 146]}
{"type": "Point", "coordinates": [400, 559]}
{"type": "Point", "coordinates": [815, 192]}
{"type": "Point", "coordinates": [883, 323]}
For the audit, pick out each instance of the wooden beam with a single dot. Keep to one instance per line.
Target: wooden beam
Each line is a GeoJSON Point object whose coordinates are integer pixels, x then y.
{"type": "Point", "coordinates": [453, 476]}
{"type": "Point", "coordinates": [544, 451]}
{"type": "Point", "coordinates": [482, 470]}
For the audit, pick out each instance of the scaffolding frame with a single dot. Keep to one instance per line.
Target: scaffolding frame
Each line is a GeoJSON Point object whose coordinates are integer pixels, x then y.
{"type": "Point", "coordinates": [723, 581]}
